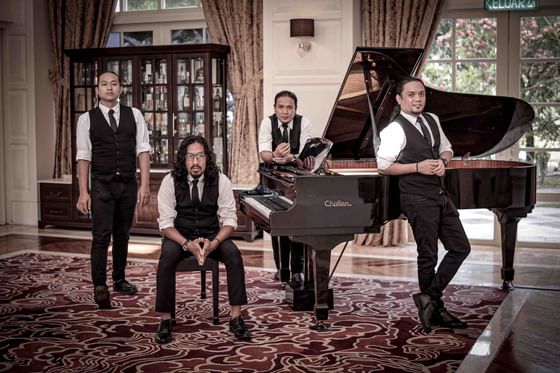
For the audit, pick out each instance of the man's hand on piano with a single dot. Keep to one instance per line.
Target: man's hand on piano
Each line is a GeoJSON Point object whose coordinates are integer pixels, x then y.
{"type": "Point", "coordinates": [282, 150]}
{"type": "Point", "coordinates": [309, 163]}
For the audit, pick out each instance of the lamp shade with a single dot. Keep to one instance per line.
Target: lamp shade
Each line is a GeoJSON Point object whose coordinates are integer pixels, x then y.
{"type": "Point", "coordinates": [302, 27]}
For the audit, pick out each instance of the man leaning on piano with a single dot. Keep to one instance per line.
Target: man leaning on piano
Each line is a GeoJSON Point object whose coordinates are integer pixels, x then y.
{"type": "Point", "coordinates": [414, 148]}
{"type": "Point", "coordinates": [282, 136]}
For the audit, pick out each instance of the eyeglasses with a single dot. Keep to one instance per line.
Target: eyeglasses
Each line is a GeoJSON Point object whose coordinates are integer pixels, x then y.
{"type": "Point", "coordinates": [198, 156]}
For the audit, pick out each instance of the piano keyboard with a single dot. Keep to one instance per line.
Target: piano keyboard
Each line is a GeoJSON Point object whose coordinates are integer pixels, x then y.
{"type": "Point", "coordinates": [267, 204]}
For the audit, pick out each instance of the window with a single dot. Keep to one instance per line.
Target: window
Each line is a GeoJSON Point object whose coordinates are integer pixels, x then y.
{"type": "Point", "coordinates": [463, 56]}
{"type": "Point", "coordinates": [513, 54]}
{"type": "Point", "coordinates": [142, 5]}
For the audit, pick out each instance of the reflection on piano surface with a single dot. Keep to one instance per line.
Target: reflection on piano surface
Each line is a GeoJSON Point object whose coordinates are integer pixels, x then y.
{"type": "Point", "coordinates": [324, 210]}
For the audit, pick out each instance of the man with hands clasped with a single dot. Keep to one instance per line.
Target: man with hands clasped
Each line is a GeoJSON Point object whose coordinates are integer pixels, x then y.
{"type": "Point", "coordinates": [414, 148]}
{"type": "Point", "coordinates": [197, 214]}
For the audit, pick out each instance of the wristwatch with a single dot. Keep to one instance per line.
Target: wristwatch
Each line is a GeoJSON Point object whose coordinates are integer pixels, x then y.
{"type": "Point", "coordinates": [185, 246]}
{"type": "Point", "coordinates": [445, 161]}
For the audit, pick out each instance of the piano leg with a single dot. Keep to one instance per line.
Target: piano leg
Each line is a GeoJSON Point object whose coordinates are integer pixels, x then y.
{"type": "Point", "coordinates": [509, 218]}
{"type": "Point", "coordinates": [321, 260]}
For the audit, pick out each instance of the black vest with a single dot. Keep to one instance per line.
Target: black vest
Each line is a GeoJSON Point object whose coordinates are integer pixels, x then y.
{"type": "Point", "coordinates": [201, 221]}
{"type": "Point", "coordinates": [112, 152]}
{"type": "Point", "coordinates": [416, 150]}
{"type": "Point", "coordinates": [294, 133]}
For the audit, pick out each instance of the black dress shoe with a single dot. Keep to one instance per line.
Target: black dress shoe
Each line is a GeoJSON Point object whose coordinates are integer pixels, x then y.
{"type": "Point", "coordinates": [443, 318]}
{"type": "Point", "coordinates": [297, 281]}
{"type": "Point", "coordinates": [102, 297]}
{"type": "Point", "coordinates": [123, 286]}
{"type": "Point", "coordinates": [239, 329]}
{"type": "Point", "coordinates": [426, 308]}
{"type": "Point", "coordinates": [163, 334]}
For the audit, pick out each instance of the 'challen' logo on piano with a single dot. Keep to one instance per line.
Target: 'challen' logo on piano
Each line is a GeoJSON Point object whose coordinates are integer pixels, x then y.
{"type": "Point", "coordinates": [338, 203]}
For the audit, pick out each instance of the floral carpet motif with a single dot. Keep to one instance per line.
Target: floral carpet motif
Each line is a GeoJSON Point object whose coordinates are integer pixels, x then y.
{"type": "Point", "coordinates": [49, 323]}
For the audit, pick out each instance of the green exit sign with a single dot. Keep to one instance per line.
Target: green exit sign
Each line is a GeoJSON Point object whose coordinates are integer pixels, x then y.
{"type": "Point", "coordinates": [498, 5]}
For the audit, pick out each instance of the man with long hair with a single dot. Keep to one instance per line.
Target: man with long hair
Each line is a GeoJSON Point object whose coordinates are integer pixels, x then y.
{"type": "Point", "coordinates": [415, 148]}
{"type": "Point", "coordinates": [197, 214]}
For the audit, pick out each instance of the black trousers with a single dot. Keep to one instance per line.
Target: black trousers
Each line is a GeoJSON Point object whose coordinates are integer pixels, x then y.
{"type": "Point", "coordinates": [432, 220]}
{"type": "Point", "coordinates": [112, 212]}
{"type": "Point", "coordinates": [172, 253]}
{"type": "Point", "coordinates": [292, 253]}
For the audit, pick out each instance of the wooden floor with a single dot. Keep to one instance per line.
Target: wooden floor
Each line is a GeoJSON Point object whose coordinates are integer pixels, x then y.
{"type": "Point", "coordinates": [524, 340]}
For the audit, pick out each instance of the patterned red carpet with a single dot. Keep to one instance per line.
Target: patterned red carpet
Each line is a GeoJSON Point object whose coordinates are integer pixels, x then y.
{"type": "Point", "coordinates": [49, 323]}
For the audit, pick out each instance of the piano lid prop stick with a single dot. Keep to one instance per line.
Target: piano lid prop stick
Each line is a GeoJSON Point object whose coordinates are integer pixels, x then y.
{"type": "Point", "coordinates": [338, 261]}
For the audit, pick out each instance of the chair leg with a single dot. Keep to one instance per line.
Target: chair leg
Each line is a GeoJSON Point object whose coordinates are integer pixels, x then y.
{"type": "Point", "coordinates": [215, 296]}
{"type": "Point", "coordinates": [203, 284]}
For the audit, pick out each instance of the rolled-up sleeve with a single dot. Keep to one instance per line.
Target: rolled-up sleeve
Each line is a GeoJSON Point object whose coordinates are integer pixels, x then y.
{"type": "Point", "coordinates": [142, 135]}
{"type": "Point", "coordinates": [227, 212]}
{"type": "Point", "coordinates": [166, 203]}
{"type": "Point", "coordinates": [83, 141]}
{"type": "Point", "coordinates": [393, 141]}
{"type": "Point", "coordinates": [265, 135]}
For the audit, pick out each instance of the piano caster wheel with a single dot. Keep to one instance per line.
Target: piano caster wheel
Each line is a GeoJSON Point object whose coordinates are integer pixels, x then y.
{"type": "Point", "coordinates": [507, 286]}
{"type": "Point", "coordinates": [320, 327]}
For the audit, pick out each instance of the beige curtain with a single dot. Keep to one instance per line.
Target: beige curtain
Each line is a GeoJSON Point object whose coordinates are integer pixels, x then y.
{"type": "Point", "coordinates": [73, 24]}
{"type": "Point", "coordinates": [402, 24]}
{"type": "Point", "coordinates": [238, 23]}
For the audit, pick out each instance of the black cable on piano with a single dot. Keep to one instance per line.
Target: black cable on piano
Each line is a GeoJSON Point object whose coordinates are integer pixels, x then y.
{"type": "Point", "coordinates": [338, 261]}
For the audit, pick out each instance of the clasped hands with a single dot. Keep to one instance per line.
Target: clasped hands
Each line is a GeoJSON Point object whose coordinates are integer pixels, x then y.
{"type": "Point", "coordinates": [282, 155]}
{"type": "Point", "coordinates": [201, 248]}
{"type": "Point", "coordinates": [431, 167]}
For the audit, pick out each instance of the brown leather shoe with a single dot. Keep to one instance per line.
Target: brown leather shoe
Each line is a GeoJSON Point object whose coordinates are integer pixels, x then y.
{"type": "Point", "coordinates": [102, 297]}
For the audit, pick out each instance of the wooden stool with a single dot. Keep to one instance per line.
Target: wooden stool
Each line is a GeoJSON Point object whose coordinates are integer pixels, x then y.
{"type": "Point", "coordinates": [190, 264]}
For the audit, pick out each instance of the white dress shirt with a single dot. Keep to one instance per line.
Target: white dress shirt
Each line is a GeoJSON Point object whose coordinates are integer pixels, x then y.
{"type": "Point", "coordinates": [393, 140]}
{"type": "Point", "coordinates": [83, 139]}
{"type": "Point", "coordinates": [227, 212]}
{"type": "Point", "coordinates": [265, 133]}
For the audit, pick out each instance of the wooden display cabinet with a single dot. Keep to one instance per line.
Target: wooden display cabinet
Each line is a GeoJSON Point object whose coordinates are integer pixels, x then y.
{"type": "Point", "coordinates": [180, 89]}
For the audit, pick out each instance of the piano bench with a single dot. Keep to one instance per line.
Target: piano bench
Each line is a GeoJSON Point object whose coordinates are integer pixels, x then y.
{"type": "Point", "coordinates": [191, 265]}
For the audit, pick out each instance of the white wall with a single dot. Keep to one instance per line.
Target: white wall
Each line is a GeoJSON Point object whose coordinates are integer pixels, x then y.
{"type": "Point", "coordinates": [18, 114]}
{"type": "Point", "coordinates": [316, 77]}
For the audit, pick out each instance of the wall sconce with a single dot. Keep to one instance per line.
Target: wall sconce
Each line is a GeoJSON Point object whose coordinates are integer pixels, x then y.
{"type": "Point", "coordinates": [303, 28]}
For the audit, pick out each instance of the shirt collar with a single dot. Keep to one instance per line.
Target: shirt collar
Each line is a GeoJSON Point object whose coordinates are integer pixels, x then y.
{"type": "Point", "coordinates": [200, 179]}
{"type": "Point", "coordinates": [412, 118]}
{"type": "Point", "coordinates": [105, 109]}
{"type": "Point", "coordinates": [290, 124]}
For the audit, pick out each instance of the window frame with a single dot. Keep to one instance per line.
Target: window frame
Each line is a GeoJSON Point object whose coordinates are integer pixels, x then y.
{"type": "Point", "coordinates": [508, 64]}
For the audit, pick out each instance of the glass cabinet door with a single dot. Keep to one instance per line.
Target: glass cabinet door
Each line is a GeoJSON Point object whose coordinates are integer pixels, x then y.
{"type": "Point", "coordinates": [85, 81]}
{"type": "Point", "coordinates": [154, 103]}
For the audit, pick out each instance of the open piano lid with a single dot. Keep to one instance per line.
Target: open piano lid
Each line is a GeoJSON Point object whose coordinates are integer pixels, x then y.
{"type": "Point", "coordinates": [478, 125]}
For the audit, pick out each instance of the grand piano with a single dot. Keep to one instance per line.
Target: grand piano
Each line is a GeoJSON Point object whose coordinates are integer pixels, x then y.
{"type": "Point", "coordinates": [325, 209]}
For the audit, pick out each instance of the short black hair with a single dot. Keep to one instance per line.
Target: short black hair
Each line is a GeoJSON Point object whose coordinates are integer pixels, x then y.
{"type": "Point", "coordinates": [289, 94]}
{"type": "Point", "coordinates": [407, 80]}
{"type": "Point", "coordinates": [108, 72]}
